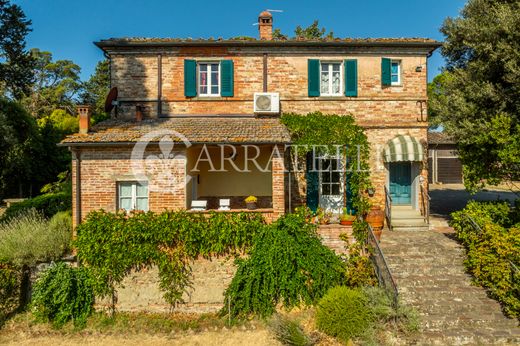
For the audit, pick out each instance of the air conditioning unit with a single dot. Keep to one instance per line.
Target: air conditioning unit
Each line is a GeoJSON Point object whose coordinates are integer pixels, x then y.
{"type": "Point", "coordinates": [267, 103]}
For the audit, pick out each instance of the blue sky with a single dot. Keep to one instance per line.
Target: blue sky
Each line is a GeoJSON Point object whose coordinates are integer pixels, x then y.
{"type": "Point", "coordinates": [67, 28]}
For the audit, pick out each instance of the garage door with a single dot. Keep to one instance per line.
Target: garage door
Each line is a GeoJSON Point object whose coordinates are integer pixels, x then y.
{"type": "Point", "coordinates": [449, 170]}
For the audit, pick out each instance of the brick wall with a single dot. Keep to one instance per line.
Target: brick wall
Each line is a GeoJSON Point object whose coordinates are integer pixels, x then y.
{"type": "Point", "coordinates": [136, 76]}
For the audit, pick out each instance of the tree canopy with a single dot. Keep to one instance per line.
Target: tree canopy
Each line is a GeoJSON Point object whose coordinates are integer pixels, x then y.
{"type": "Point", "coordinates": [312, 32]}
{"type": "Point", "coordinates": [477, 97]}
{"type": "Point", "coordinates": [16, 63]}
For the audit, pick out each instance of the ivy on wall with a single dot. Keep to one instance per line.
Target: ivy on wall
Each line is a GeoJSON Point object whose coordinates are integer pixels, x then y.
{"type": "Point", "coordinates": [325, 132]}
{"type": "Point", "coordinates": [113, 244]}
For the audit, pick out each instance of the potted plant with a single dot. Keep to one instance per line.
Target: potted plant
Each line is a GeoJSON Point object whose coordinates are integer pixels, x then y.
{"type": "Point", "coordinates": [251, 202]}
{"type": "Point", "coordinates": [346, 219]}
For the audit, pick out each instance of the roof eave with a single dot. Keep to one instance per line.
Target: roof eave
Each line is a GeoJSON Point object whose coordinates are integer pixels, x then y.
{"type": "Point", "coordinates": [432, 45]}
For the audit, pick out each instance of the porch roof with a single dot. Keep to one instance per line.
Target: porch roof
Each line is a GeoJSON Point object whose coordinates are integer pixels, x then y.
{"type": "Point", "coordinates": [199, 129]}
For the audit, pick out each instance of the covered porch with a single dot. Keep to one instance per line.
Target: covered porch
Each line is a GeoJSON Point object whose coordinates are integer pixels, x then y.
{"type": "Point", "coordinates": [219, 178]}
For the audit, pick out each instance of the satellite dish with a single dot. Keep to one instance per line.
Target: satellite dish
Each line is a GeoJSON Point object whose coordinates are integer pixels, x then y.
{"type": "Point", "coordinates": [111, 100]}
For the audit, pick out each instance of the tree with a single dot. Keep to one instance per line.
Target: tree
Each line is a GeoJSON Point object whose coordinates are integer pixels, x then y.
{"type": "Point", "coordinates": [95, 90]}
{"type": "Point", "coordinates": [19, 139]}
{"type": "Point", "coordinates": [477, 98]}
{"type": "Point", "coordinates": [55, 85]}
{"type": "Point", "coordinates": [16, 66]}
{"type": "Point", "coordinates": [312, 32]}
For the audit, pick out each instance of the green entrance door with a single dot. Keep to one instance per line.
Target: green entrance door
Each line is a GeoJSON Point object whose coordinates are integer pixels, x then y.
{"type": "Point", "coordinates": [401, 182]}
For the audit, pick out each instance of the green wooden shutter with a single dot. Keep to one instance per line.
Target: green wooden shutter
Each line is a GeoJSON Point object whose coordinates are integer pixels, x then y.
{"type": "Point", "coordinates": [226, 78]}
{"type": "Point", "coordinates": [314, 77]}
{"type": "Point", "coordinates": [190, 78]}
{"type": "Point", "coordinates": [351, 80]}
{"type": "Point", "coordinates": [312, 183]}
{"type": "Point", "coordinates": [386, 72]}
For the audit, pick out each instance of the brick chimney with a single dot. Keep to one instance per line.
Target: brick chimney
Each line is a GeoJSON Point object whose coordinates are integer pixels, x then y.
{"type": "Point", "coordinates": [84, 118]}
{"type": "Point", "coordinates": [265, 25]}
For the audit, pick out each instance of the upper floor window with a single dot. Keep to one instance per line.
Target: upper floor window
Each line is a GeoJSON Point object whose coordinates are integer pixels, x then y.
{"type": "Point", "coordinates": [396, 72]}
{"type": "Point", "coordinates": [330, 79]}
{"type": "Point", "coordinates": [209, 79]}
{"type": "Point", "coordinates": [133, 195]}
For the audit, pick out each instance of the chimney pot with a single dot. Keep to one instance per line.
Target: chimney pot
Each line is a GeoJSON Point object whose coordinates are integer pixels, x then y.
{"type": "Point", "coordinates": [84, 118]}
{"type": "Point", "coordinates": [265, 25]}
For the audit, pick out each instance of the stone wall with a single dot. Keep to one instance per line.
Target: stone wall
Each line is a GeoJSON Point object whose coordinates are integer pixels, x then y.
{"type": "Point", "coordinates": [210, 278]}
{"type": "Point", "coordinates": [140, 290]}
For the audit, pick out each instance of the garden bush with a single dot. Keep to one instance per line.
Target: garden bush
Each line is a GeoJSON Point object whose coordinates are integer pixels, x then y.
{"type": "Point", "coordinates": [289, 332]}
{"type": "Point", "coordinates": [112, 244]}
{"type": "Point", "coordinates": [62, 294]}
{"type": "Point", "coordinates": [344, 313]}
{"type": "Point", "coordinates": [288, 265]}
{"type": "Point", "coordinates": [9, 290]}
{"type": "Point", "coordinates": [30, 238]}
{"type": "Point", "coordinates": [491, 248]}
{"type": "Point", "coordinates": [47, 204]}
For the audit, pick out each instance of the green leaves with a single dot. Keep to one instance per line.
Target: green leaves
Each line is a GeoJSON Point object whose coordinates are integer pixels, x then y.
{"type": "Point", "coordinates": [63, 294]}
{"type": "Point", "coordinates": [477, 98]}
{"type": "Point", "coordinates": [492, 248]}
{"type": "Point", "coordinates": [288, 265]}
{"type": "Point", "coordinates": [329, 130]}
{"type": "Point", "coordinates": [112, 244]}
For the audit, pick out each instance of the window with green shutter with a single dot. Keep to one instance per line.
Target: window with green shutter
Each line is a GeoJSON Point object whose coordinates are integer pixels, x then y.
{"type": "Point", "coordinates": [314, 77]}
{"type": "Point", "coordinates": [226, 78]}
{"type": "Point", "coordinates": [386, 72]}
{"type": "Point", "coordinates": [351, 79]}
{"type": "Point", "coordinates": [190, 78]}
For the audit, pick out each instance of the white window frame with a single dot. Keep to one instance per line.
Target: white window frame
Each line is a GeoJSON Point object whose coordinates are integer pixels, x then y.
{"type": "Point", "coordinates": [340, 63]}
{"type": "Point", "coordinates": [398, 62]}
{"type": "Point", "coordinates": [209, 85]}
{"type": "Point", "coordinates": [134, 194]}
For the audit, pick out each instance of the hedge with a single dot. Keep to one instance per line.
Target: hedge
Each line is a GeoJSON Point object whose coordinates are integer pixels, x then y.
{"type": "Point", "coordinates": [47, 204]}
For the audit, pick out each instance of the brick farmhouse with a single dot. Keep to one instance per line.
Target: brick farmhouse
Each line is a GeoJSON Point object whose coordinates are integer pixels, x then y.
{"type": "Point", "coordinates": [185, 106]}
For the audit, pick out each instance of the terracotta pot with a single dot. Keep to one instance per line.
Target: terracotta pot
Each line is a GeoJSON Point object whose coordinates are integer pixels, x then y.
{"type": "Point", "coordinates": [378, 234]}
{"type": "Point", "coordinates": [376, 218]}
{"type": "Point", "coordinates": [346, 222]}
{"type": "Point", "coordinates": [251, 205]}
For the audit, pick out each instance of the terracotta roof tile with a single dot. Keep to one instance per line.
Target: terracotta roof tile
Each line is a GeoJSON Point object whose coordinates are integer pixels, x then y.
{"type": "Point", "coordinates": [196, 129]}
{"type": "Point", "coordinates": [439, 138]}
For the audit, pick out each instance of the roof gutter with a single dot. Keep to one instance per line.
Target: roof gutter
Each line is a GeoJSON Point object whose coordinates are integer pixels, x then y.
{"type": "Point", "coordinates": [117, 144]}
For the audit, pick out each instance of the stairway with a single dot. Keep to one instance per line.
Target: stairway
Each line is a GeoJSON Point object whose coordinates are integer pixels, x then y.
{"type": "Point", "coordinates": [429, 272]}
{"type": "Point", "coordinates": [404, 218]}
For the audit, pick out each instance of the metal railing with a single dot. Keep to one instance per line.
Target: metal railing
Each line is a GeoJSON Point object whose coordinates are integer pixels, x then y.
{"type": "Point", "coordinates": [382, 271]}
{"type": "Point", "coordinates": [425, 205]}
{"type": "Point", "coordinates": [388, 209]}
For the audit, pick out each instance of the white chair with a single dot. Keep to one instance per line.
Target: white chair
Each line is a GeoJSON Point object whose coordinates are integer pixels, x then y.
{"type": "Point", "coordinates": [224, 204]}
{"type": "Point", "coordinates": [199, 205]}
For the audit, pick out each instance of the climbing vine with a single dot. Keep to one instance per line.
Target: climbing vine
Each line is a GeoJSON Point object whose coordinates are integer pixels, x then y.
{"type": "Point", "coordinates": [113, 244]}
{"type": "Point", "coordinates": [325, 133]}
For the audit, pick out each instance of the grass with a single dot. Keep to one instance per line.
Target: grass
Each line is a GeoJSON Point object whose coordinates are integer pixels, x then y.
{"type": "Point", "coordinates": [130, 323]}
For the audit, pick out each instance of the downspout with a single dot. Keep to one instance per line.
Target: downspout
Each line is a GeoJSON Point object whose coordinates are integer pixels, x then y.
{"type": "Point", "coordinates": [265, 72]}
{"type": "Point", "coordinates": [77, 157]}
{"type": "Point", "coordinates": [159, 85]}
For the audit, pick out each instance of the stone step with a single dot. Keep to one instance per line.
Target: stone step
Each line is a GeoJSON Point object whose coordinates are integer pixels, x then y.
{"type": "Point", "coordinates": [429, 272]}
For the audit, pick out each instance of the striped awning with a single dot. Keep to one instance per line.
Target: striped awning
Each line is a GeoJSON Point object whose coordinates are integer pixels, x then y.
{"type": "Point", "coordinates": [403, 148]}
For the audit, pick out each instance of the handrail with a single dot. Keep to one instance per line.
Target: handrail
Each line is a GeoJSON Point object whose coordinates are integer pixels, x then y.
{"type": "Point", "coordinates": [388, 209]}
{"type": "Point", "coordinates": [425, 205]}
{"type": "Point", "coordinates": [382, 271]}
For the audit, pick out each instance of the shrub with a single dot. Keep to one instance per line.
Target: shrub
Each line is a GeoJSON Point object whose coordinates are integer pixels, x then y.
{"type": "Point", "coordinates": [112, 244]}
{"type": "Point", "coordinates": [29, 238]}
{"type": "Point", "coordinates": [9, 290]}
{"type": "Point", "coordinates": [289, 332]}
{"type": "Point", "coordinates": [344, 313]}
{"type": "Point", "coordinates": [491, 249]}
{"type": "Point", "coordinates": [62, 294]}
{"type": "Point", "coordinates": [47, 204]}
{"type": "Point", "coordinates": [288, 265]}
